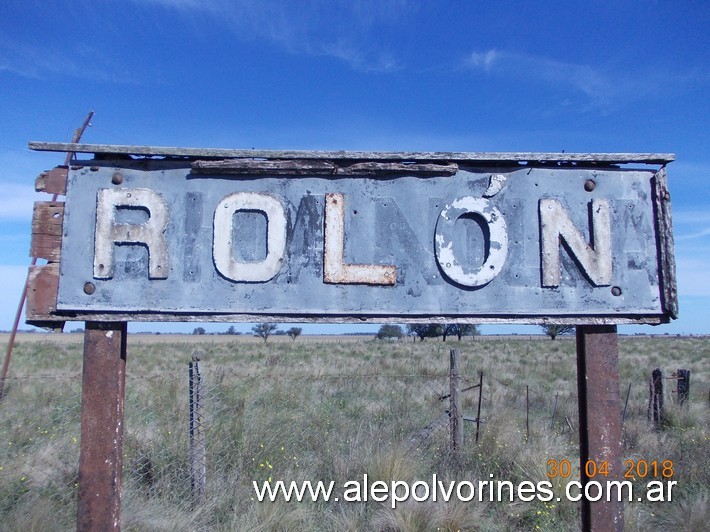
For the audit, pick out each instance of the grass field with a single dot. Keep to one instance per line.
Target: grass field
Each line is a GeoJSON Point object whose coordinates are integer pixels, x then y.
{"type": "Point", "coordinates": [336, 408]}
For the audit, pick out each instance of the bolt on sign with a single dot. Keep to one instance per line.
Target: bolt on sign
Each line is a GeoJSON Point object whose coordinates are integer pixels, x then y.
{"type": "Point", "coordinates": [226, 235]}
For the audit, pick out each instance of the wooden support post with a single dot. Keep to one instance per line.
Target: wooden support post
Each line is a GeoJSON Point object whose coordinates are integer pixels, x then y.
{"type": "Point", "coordinates": [101, 454]}
{"type": "Point", "coordinates": [455, 410]}
{"type": "Point", "coordinates": [599, 420]}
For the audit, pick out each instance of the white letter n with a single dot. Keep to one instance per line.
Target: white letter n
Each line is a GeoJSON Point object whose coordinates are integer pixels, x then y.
{"type": "Point", "coordinates": [556, 226]}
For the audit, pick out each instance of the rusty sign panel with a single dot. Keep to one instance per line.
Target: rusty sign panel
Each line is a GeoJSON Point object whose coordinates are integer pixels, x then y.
{"type": "Point", "coordinates": [365, 240]}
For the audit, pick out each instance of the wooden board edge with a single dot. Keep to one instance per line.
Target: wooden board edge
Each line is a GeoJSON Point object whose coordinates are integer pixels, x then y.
{"type": "Point", "coordinates": [53, 181]}
{"type": "Point", "coordinates": [47, 224]}
{"type": "Point", "coordinates": [648, 158]}
{"type": "Point", "coordinates": [129, 316]}
{"type": "Point", "coordinates": [42, 289]}
{"type": "Point", "coordinates": [666, 257]}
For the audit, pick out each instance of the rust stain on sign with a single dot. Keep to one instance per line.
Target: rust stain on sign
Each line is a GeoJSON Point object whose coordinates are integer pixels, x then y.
{"type": "Point", "coordinates": [335, 269]}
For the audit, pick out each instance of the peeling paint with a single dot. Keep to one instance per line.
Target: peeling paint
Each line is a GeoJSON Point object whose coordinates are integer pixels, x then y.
{"type": "Point", "coordinates": [495, 184]}
{"type": "Point", "coordinates": [496, 243]}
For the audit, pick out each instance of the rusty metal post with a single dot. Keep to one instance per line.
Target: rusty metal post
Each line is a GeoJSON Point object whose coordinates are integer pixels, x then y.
{"type": "Point", "coordinates": [455, 410]}
{"type": "Point", "coordinates": [101, 455]}
{"type": "Point", "coordinates": [599, 419]}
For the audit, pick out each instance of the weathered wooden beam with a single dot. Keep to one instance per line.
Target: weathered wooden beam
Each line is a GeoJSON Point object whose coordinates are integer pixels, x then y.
{"type": "Point", "coordinates": [162, 151]}
{"type": "Point", "coordinates": [662, 202]}
{"type": "Point", "coordinates": [53, 181]}
{"type": "Point", "coordinates": [78, 315]}
{"type": "Point", "coordinates": [264, 167]}
{"type": "Point", "coordinates": [373, 168]}
{"type": "Point", "coordinates": [312, 167]}
{"type": "Point", "coordinates": [41, 291]}
{"type": "Point", "coordinates": [47, 222]}
{"type": "Point", "coordinates": [42, 285]}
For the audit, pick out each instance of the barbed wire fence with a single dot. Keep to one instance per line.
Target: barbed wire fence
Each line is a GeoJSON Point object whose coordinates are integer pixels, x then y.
{"type": "Point", "coordinates": [196, 437]}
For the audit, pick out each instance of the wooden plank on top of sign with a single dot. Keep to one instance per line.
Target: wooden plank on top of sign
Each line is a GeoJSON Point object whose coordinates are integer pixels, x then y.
{"type": "Point", "coordinates": [313, 167]}
{"type": "Point", "coordinates": [607, 158]}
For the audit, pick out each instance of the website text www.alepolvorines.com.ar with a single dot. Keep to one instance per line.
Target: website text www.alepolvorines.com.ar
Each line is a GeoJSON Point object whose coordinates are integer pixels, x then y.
{"type": "Point", "coordinates": [436, 490]}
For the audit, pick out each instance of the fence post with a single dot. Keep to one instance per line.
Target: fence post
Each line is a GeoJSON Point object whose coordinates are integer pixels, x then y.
{"type": "Point", "coordinates": [101, 455]}
{"type": "Point", "coordinates": [599, 419]}
{"type": "Point", "coordinates": [455, 410]}
{"type": "Point", "coordinates": [683, 386]}
{"type": "Point", "coordinates": [626, 404]}
{"type": "Point", "coordinates": [198, 466]}
{"type": "Point", "coordinates": [527, 413]}
{"type": "Point", "coordinates": [554, 410]}
{"type": "Point", "coordinates": [480, 398]}
{"type": "Point", "coordinates": [655, 399]}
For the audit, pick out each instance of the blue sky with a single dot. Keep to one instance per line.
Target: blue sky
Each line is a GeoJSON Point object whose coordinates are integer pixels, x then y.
{"type": "Point", "coordinates": [621, 76]}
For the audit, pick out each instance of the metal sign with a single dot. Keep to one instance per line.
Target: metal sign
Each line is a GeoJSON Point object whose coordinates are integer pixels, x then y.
{"type": "Point", "coordinates": [347, 237]}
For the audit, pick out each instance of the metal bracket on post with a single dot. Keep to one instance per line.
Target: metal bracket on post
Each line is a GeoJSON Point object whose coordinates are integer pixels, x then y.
{"type": "Point", "coordinates": [599, 420]}
{"type": "Point", "coordinates": [101, 454]}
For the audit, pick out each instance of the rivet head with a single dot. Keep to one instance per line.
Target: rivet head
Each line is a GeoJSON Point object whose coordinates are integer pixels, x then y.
{"type": "Point", "coordinates": [89, 288]}
{"type": "Point", "coordinates": [589, 185]}
{"type": "Point", "coordinates": [615, 291]}
{"type": "Point", "coordinates": [117, 179]}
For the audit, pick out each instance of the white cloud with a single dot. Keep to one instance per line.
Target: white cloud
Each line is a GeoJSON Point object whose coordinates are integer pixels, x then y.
{"type": "Point", "coordinates": [603, 85]}
{"type": "Point", "coordinates": [695, 235]}
{"type": "Point", "coordinates": [690, 216]}
{"type": "Point", "coordinates": [690, 225]}
{"type": "Point", "coordinates": [484, 59]}
{"type": "Point", "coordinates": [692, 276]}
{"type": "Point", "coordinates": [342, 29]}
{"type": "Point", "coordinates": [17, 201]}
{"type": "Point", "coordinates": [12, 281]}
{"type": "Point", "coordinates": [39, 60]}
{"type": "Point", "coordinates": [584, 78]}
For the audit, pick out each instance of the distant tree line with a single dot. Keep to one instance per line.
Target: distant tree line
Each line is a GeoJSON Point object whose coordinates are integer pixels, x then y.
{"type": "Point", "coordinates": [428, 330]}
{"type": "Point", "coordinates": [260, 330]}
{"type": "Point", "coordinates": [421, 331]}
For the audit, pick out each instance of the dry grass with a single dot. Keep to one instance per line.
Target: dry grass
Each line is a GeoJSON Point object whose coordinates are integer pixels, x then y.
{"type": "Point", "coordinates": [336, 409]}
